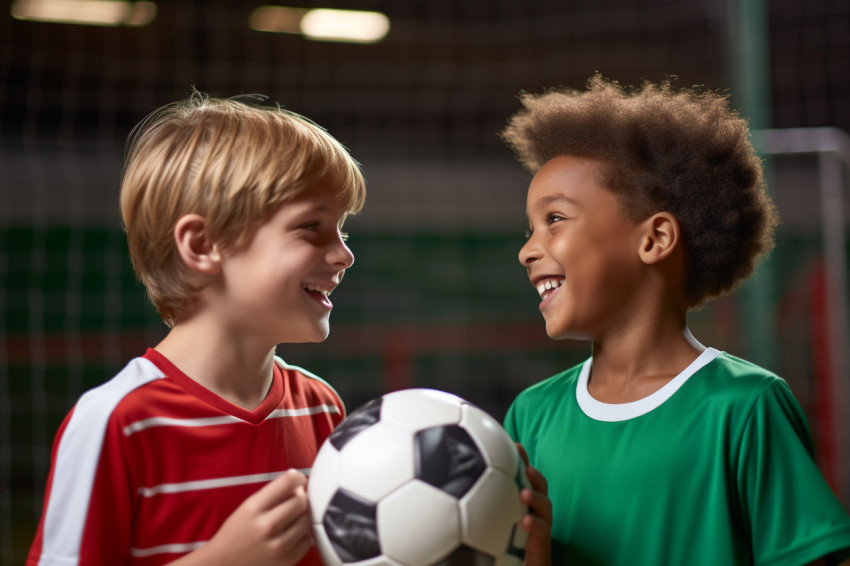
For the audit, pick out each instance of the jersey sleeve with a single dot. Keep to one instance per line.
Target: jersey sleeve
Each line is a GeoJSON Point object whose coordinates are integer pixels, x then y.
{"type": "Point", "coordinates": [791, 513]}
{"type": "Point", "coordinates": [86, 516]}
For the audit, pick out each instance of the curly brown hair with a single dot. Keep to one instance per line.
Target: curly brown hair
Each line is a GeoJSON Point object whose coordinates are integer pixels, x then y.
{"type": "Point", "coordinates": [683, 151]}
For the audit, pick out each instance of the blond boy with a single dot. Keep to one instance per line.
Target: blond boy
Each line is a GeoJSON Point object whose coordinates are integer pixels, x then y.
{"type": "Point", "coordinates": [197, 451]}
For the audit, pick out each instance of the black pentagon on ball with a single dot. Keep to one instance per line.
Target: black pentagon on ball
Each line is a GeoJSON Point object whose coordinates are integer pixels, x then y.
{"type": "Point", "coordinates": [351, 526]}
{"type": "Point", "coordinates": [447, 458]}
{"type": "Point", "coordinates": [356, 422]}
{"type": "Point", "coordinates": [465, 556]}
{"type": "Point", "coordinates": [515, 550]}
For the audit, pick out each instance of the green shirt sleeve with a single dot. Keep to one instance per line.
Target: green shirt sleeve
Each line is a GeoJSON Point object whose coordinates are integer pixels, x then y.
{"type": "Point", "coordinates": [791, 512]}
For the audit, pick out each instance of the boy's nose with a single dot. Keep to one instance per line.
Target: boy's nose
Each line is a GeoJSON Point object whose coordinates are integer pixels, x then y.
{"type": "Point", "coordinates": [341, 255]}
{"type": "Point", "coordinates": [529, 253]}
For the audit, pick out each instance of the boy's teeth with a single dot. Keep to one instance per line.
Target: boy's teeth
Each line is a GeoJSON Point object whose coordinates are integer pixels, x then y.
{"type": "Point", "coordinates": [548, 286]}
{"type": "Point", "coordinates": [316, 289]}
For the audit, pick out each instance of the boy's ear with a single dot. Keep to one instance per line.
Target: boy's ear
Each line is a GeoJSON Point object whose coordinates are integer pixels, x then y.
{"type": "Point", "coordinates": [661, 238]}
{"type": "Point", "coordinates": [197, 250]}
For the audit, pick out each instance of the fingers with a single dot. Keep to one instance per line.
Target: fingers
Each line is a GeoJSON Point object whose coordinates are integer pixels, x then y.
{"type": "Point", "coordinates": [522, 453]}
{"type": "Point", "coordinates": [289, 511]}
{"type": "Point", "coordinates": [286, 525]}
{"type": "Point", "coordinates": [292, 527]}
{"type": "Point", "coordinates": [296, 537]}
{"type": "Point", "coordinates": [538, 522]}
{"type": "Point", "coordinates": [278, 490]}
{"type": "Point", "coordinates": [538, 481]}
{"type": "Point", "coordinates": [539, 504]}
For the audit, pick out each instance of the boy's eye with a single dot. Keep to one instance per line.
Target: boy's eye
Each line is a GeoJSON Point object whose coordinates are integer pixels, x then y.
{"type": "Point", "coordinates": [553, 217]}
{"type": "Point", "coordinates": [343, 236]}
{"type": "Point", "coordinates": [528, 233]}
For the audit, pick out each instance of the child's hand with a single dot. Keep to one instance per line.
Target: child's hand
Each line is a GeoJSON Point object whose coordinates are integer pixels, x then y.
{"type": "Point", "coordinates": [270, 527]}
{"type": "Point", "coordinates": [538, 523]}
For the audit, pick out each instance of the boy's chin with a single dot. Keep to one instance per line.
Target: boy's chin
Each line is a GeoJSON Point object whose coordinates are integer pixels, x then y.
{"type": "Point", "coordinates": [314, 335]}
{"type": "Point", "coordinates": [556, 332]}
{"type": "Point", "coordinates": [319, 336]}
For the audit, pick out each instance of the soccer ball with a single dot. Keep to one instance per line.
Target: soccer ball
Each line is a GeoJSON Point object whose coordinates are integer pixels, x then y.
{"type": "Point", "coordinates": [418, 477]}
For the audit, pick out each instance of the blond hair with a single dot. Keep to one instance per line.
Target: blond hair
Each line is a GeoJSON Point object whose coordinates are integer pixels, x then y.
{"type": "Point", "coordinates": [232, 162]}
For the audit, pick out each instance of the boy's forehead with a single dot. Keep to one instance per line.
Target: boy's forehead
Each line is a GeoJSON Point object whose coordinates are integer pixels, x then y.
{"type": "Point", "coordinates": [562, 166]}
{"type": "Point", "coordinates": [554, 198]}
{"type": "Point", "coordinates": [319, 203]}
{"type": "Point", "coordinates": [545, 201]}
{"type": "Point", "coordinates": [328, 196]}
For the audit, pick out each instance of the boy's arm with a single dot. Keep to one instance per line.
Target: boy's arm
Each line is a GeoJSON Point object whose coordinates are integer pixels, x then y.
{"type": "Point", "coordinates": [538, 523]}
{"type": "Point", "coordinates": [272, 527]}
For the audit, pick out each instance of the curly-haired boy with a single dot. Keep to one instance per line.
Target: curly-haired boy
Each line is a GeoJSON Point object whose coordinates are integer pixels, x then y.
{"type": "Point", "coordinates": [644, 204]}
{"type": "Point", "coordinates": [196, 452]}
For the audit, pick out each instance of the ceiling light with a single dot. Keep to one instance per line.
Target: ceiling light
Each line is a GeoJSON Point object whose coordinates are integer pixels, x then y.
{"type": "Point", "coordinates": [322, 24]}
{"type": "Point", "coordinates": [86, 12]}
{"type": "Point", "coordinates": [277, 19]}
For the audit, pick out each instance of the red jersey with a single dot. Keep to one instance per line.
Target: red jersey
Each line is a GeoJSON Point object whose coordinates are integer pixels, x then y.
{"type": "Point", "coordinates": [148, 466]}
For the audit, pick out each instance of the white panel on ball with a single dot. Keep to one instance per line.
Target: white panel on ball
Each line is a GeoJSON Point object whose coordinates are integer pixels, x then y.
{"type": "Point", "coordinates": [422, 509]}
{"type": "Point", "coordinates": [496, 446]}
{"type": "Point", "coordinates": [489, 511]}
{"type": "Point", "coordinates": [323, 479]}
{"type": "Point", "coordinates": [415, 409]}
{"type": "Point", "coordinates": [377, 461]}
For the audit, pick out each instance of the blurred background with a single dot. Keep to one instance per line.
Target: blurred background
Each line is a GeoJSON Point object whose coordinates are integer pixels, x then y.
{"type": "Point", "coordinates": [437, 297]}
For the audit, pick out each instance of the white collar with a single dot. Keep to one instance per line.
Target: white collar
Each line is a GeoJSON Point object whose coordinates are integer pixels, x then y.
{"type": "Point", "coordinates": [608, 412]}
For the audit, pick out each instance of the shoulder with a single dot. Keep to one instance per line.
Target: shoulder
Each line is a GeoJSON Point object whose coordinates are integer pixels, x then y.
{"type": "Point", "coordinates": [97, 421]}
{"type": "Point", "coordinates": [537, 400]}
{"type": "Point", "coordinates": [307, 386]}
{"type": "Point", "coordinates": [116, 396]}
{"type": "Point", "coordinates": [740, 381]}
{"type": "Point", "coordinates": [551, 388]}
{"type": "Point", "coordinates": [753, 396]}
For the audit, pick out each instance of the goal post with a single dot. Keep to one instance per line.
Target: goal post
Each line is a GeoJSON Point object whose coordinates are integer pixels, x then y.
{"type": "Point", "coordinates": [832, 148]}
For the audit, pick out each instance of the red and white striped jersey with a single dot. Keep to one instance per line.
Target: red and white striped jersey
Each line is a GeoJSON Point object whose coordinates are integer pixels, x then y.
{"type": "Point", "coordinates": [148, 466]}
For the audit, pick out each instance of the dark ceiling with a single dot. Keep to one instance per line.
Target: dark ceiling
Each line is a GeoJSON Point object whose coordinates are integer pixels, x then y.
{"type": "Point", "coordinates": [441, 83]}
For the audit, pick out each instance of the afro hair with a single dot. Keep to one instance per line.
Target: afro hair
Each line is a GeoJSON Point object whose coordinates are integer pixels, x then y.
{"type": "Point", "coordinates": [682, 151]}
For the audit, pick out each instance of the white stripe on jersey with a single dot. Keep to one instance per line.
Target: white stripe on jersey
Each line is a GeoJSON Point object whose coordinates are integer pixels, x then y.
{"type": "Point", "coordinates": [307, 373]}
{"type": "Point", "coordinates": [77, 457]}
{"type": "Point", "coordinates": [278, 413]}
{"type": "Point", "coordinates": [138, 426]}
{"type": "Point", "coordinates": [168, 421]}
{"type": "Point", "coordinates": [197, 485]}
{"type": "Point", "coordinates": [166, 549]}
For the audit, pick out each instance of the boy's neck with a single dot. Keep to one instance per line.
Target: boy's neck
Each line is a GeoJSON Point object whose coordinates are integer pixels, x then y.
{"type": "Point", "coordinates": [238, 371]}
{"type": "Point", "coordinates": [635, 365]}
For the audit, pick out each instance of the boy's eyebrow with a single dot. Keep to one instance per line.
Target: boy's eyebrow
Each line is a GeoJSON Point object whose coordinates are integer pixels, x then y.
{"type": "Point", "coordinates": [316, 207]}
{"type": "Point", "coordinates": [556, 198]}
{"type": "Point", "coordinates": [321, 208]}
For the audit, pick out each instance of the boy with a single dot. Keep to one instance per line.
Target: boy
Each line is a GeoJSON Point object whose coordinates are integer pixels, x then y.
{"type": "Point", "coordinates": [197, 451]}
{"type": "Point", "coordinates": [657, 450]}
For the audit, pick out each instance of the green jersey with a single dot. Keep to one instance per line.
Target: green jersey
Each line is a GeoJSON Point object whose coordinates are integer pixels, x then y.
{"type": "Point", "coordinates": [713, 469]}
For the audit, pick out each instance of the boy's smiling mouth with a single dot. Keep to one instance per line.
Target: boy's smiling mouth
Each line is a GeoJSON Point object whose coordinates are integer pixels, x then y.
{"type": "Point", "coordinates": [548, 286]}
{"type": "Point", "coordinates": [319, 292]}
